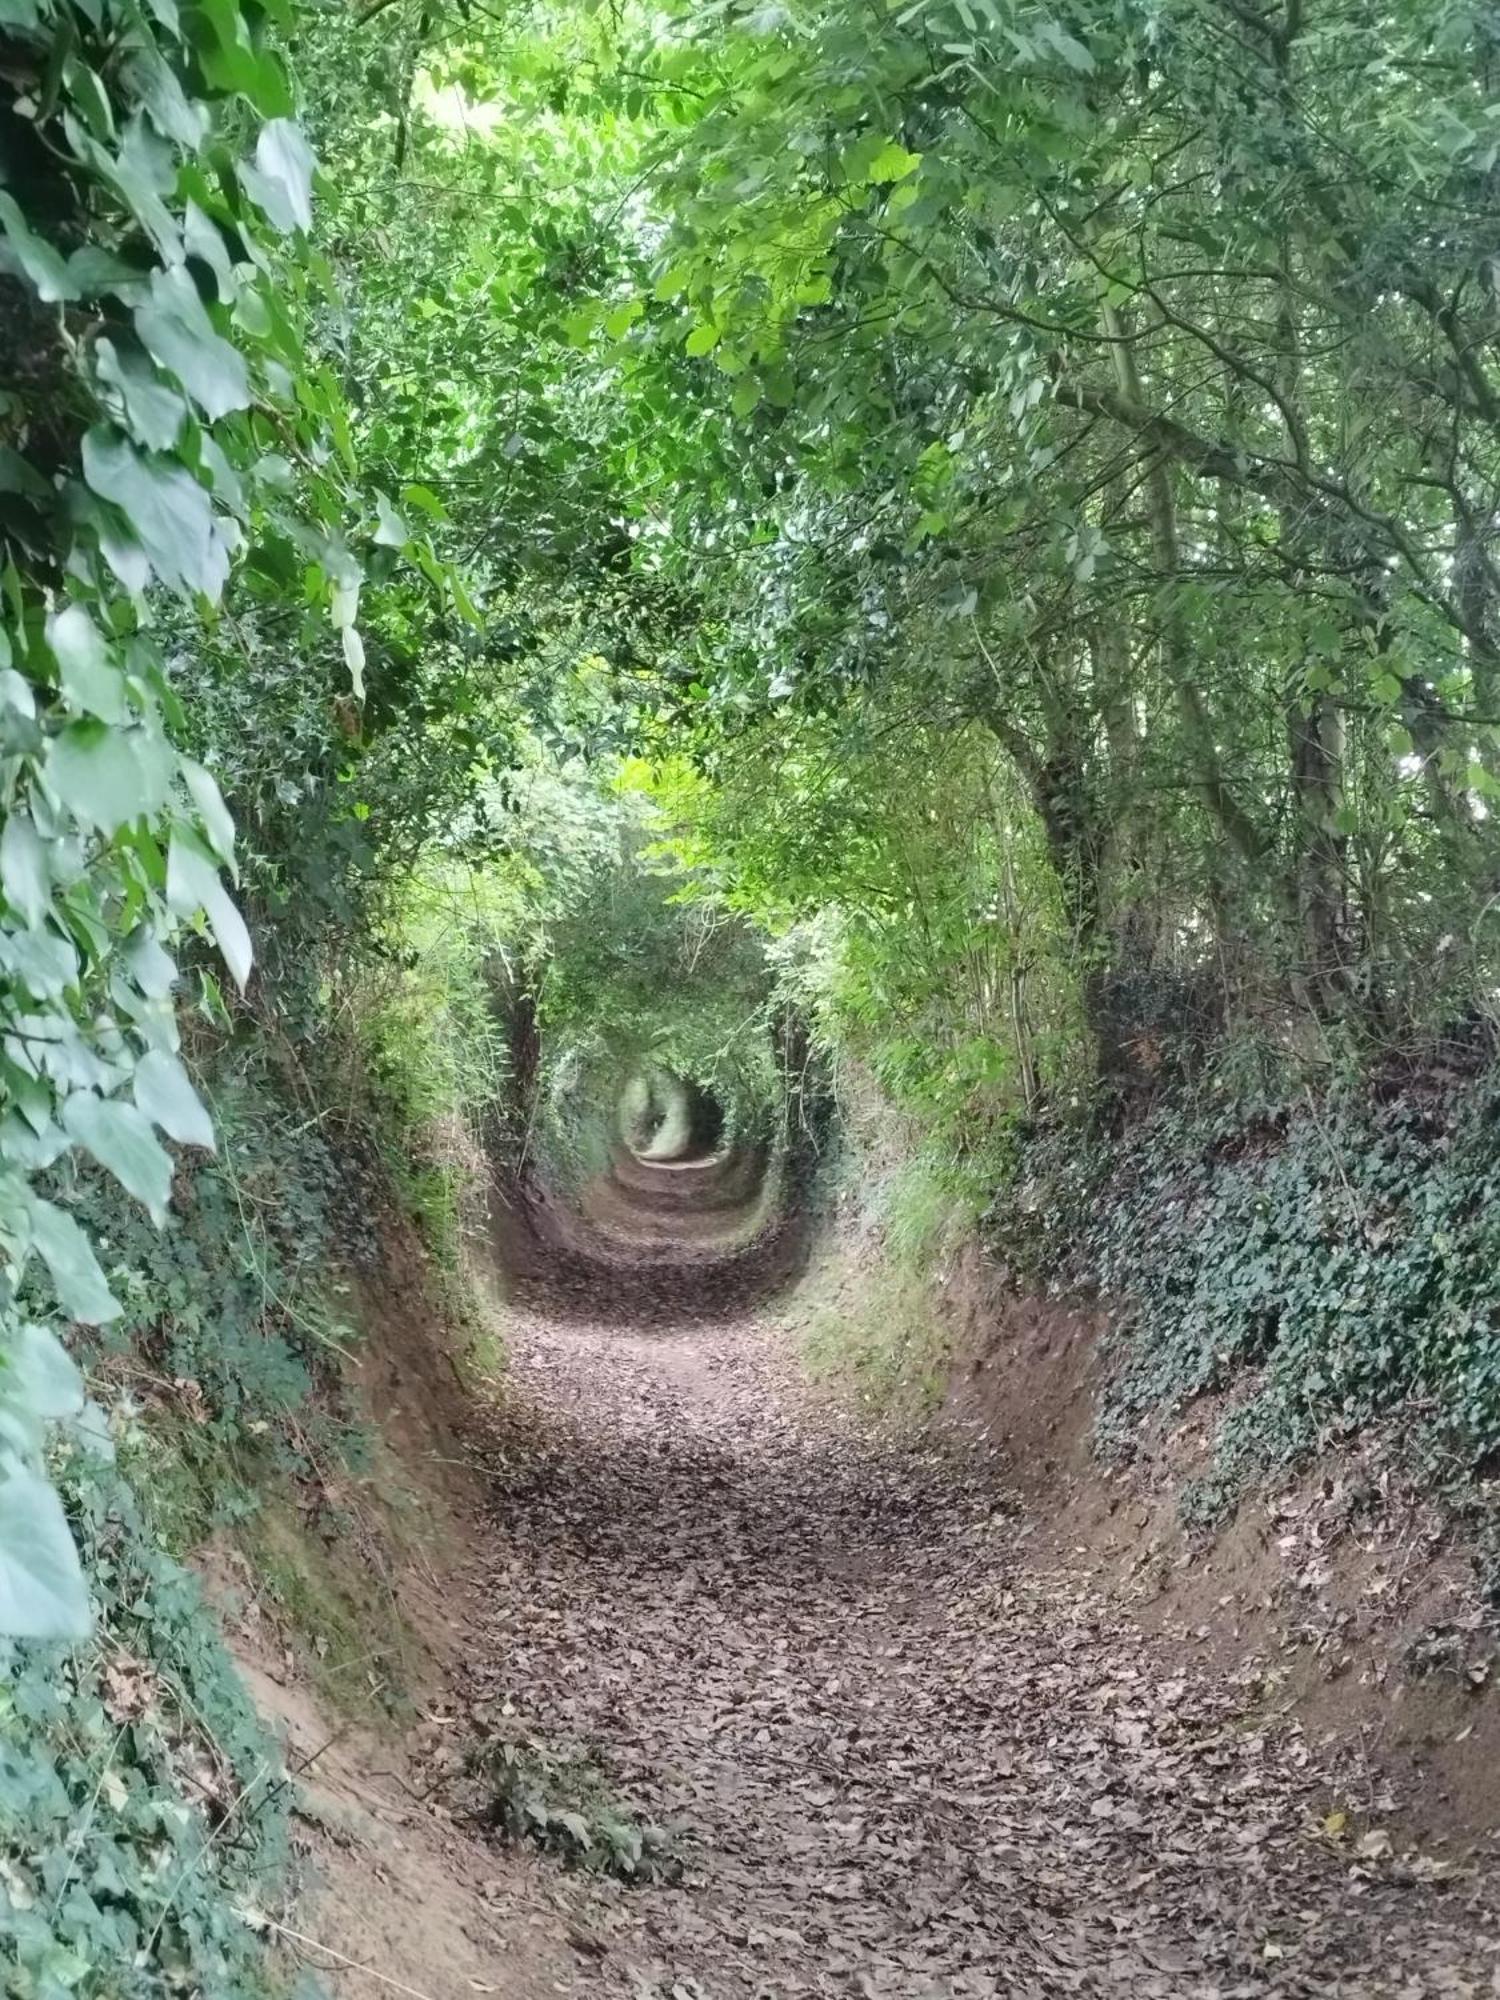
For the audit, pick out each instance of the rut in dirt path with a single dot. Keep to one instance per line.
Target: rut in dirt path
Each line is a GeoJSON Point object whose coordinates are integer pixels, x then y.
{"type": "Point", "coordinates": [905, 1761]}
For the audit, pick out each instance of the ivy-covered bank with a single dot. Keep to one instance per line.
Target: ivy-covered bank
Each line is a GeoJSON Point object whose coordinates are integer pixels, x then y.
{"type": "Point", "coordinates": [1330, 1263]}
{"type": "Point", "coordinates": [145, 1805]}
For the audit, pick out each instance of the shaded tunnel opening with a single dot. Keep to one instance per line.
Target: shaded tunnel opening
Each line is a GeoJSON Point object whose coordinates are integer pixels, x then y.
{"type": "Point", "coordinates": [668, 1119]}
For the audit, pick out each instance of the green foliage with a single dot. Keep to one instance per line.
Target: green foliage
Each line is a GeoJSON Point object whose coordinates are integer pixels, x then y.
{"type": "Point", "coordinates": [154, 274]}
{"type": "Point", "coordinates": [231, 1320]}
{"type": "Point", "coordinates": [1325, 1265]}
{"type": "Point", "coordinates": [143, 1804]}
{"type": "Point", "coordinates": [565, 1805]}
{"type": "Point", "coordinates": [874, 1329]}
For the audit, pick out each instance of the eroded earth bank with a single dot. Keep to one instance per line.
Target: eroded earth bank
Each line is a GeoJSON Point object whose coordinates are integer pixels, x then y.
{"type": "Point", "coordinates": [849, 1730]}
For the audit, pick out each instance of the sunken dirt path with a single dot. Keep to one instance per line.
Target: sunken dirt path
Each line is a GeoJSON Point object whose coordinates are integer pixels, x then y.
{"type": "Point", "coordinates": [904, 1761]}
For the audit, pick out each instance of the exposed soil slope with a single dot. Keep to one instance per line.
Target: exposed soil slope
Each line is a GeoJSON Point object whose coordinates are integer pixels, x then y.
{"type": "Point", "coordinates": [900, 1751]}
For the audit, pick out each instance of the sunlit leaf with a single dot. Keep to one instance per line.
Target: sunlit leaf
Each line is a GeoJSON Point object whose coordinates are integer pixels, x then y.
{"type": "Point", "coordinates": [175, 328]}
{"type": "Point", "coordinates": [42, 1592]}
{"type": "Point", "coordinates": [165, 1094]}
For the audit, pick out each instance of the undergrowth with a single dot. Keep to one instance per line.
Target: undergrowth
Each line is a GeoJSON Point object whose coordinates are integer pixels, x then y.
{"type": "Point", "coordinates": [887, 1343]}
{"type": "Point", "coordinates": [144, 1803]}
{"type": "Point", "coordinates": [1328, 1262]}
{"type": "Point", "coordinates": [565, 1804]}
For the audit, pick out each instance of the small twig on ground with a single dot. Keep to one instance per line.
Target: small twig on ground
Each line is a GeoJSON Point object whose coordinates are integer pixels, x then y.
{"type": "Point", "coordinates": [352, 1964]}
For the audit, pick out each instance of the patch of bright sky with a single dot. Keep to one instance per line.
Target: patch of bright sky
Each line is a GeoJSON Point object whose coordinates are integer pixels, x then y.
{"type": "Point", "coordinates": [451, 108]}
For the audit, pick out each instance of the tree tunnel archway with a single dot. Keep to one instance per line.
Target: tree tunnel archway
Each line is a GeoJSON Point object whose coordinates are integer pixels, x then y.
{"type": "Point", "coordinates": [669, 1118]}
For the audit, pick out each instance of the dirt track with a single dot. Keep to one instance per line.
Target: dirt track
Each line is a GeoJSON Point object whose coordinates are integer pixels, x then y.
{"type": "Point", "coordinates": [899, 1758]}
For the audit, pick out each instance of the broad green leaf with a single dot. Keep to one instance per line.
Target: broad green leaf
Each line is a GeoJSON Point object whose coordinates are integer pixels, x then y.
{"type": "Point", "coordinates": [120, 1138]}
{"type": "Point", "coordinates": [169, 513]}
{"type": "Point", "coordinates": [280, 181]}
{"type": "Point", "coordinates": [45, 963]}
{"type": "Point", "coordinates": [25, 875]}
{"type": "Point", "coordinates": [193, 884]}
{"type": "Point", "coordinates": [154, 412]}
{"type": "Point", "coordinates": [165, 1094]}
{"type": "Point", "coordinates": [391, 531]}
{"type": "Point", "coordinates": [103, 775]}
{"type": "Point", "coordinates": [44, 267]}
{"type": "Point", "coordinates": [176, 331]}
{"type": "Point", "coordinates": [426, 500]}
{"type": "Point", "coordinates": [354, 660]}
{"type": "Point", "coordinates": [89, 677]}
{"type": "Point", "coordinates": [76, 1277]}
{"type": "Point", "coordinates": [212, 811]}
{"type": "Point", "coordinates": [175, 115]}
{"type": "Point", "coordinates": [42, 1592]}
{"type": "Point", "coordinates": [38, 1369]}
{"type": "Point", "coordinates": [150, 966]}
{"type": "Point", "coordinates": [89, 94]}
{"type": "Point", "coordinates": [1072, 51]}
{"type": "Point", "coordinates": [254, 74]}
{"type": "Point", "coordinates": [201, 238]}
{"type": "Point", "coordinates": [892, 163]}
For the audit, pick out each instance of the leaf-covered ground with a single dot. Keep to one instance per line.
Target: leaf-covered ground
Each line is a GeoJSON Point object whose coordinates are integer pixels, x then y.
{"type": "Point", "coordinates": [898, 1756]}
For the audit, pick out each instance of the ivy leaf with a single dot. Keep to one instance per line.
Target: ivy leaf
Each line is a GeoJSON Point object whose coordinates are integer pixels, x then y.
{"type": "Point", "coordinates": [174, 114]}
{"type": "Point", "coordinates": [76, 1277]}
{"type": "Point", "coordinates": [176, 331]}
{"type": "Point", "coordinates": [169, 512]}
{"type": "Point", "coordinates": [280, 181]}
{"type": "Point", "coordinates": [193, 884]}
{"type": "Point", "coordinates": [120, 1138]}
{"type": "Point", "coordinates": [42, 1593]}
{"type": "Point", "coordinates": [44, 267]}
{"type": "Point", "coordinates": [165, 1094]}
{"type": "Point", "coordinates": [89, 678]}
